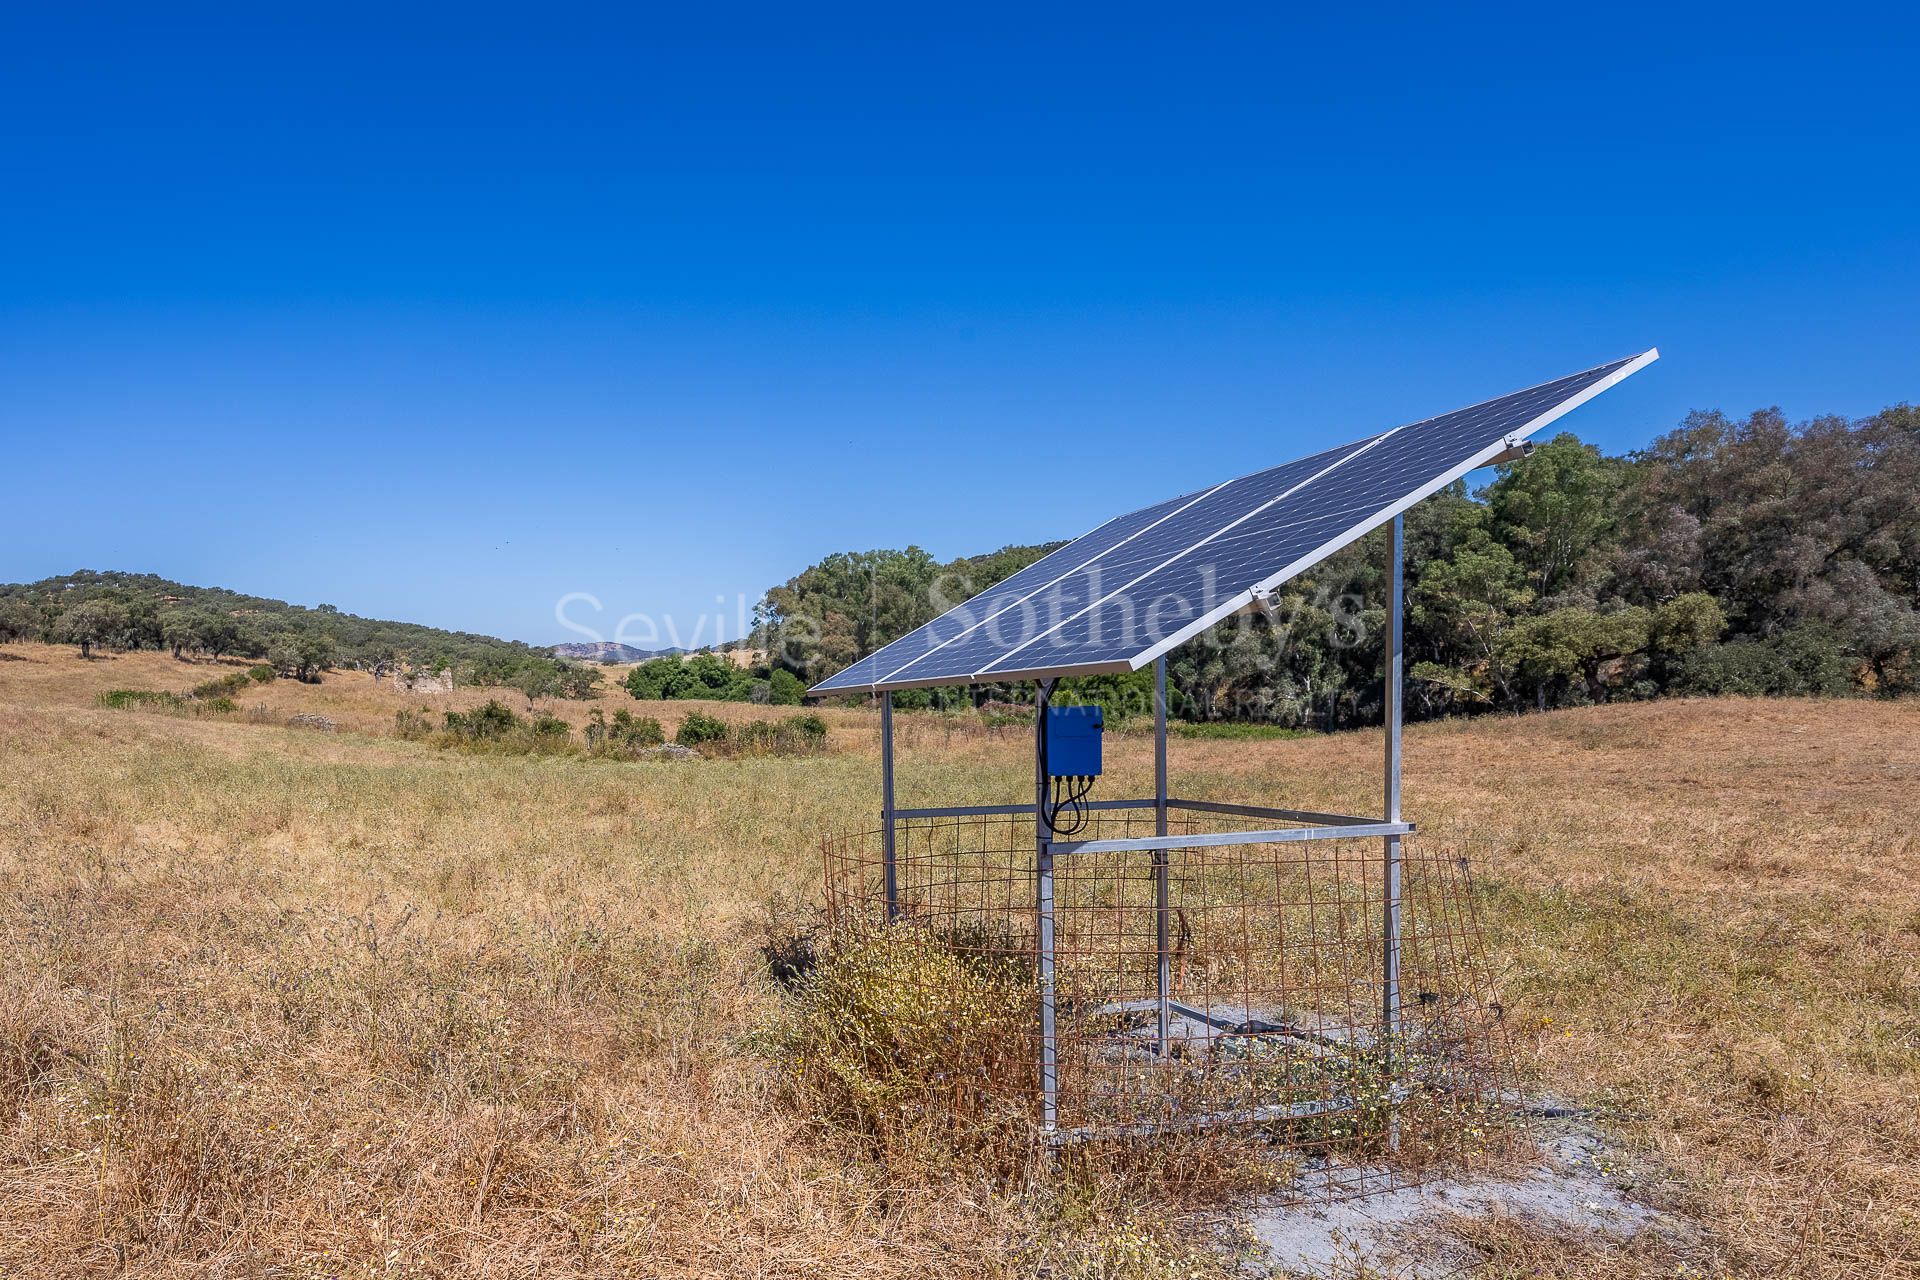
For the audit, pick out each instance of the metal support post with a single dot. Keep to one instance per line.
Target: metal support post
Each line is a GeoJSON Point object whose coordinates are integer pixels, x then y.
{"type": "Point", "coordinates": [1162, 904]}
{"type": "Point", "coordinates": [888, 820]}
{"type": "Point", "coordinates": [1043, 910]}
{"type": "Point", "coordinates": [1390, 911]}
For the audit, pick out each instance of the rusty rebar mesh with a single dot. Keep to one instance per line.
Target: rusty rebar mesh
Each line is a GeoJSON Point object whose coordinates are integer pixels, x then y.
{"type": "Point", "coordinates": [1275, 1027]}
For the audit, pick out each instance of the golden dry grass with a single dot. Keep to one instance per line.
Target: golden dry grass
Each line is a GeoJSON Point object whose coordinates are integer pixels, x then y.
{"type": "Point", "coordinates": [348, 1005]}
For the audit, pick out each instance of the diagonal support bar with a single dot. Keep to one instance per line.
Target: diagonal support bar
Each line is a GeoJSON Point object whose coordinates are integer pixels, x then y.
{"type": "Point", "coordinates": [1203, 840]}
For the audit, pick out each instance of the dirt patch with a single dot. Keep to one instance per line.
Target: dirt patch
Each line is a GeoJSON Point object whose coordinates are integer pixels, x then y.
{"type": "Point", "coordinates": [1575, 1189]}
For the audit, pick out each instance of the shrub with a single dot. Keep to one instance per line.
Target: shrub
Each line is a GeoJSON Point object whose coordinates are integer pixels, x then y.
{"type": "Point", "coordinates": [492, 719]}
{"type": "Point", "coordinates": [626, 737]}
{"type": "Point", "coordinates": [917, 1042]}
{"type": "Point", "coordinates": [222, 705]}
{"type": "Point", "coordinates": [223, 686]}
{"type": "Point", "coordinates": [262, 673]}
{"type": "Point", "coordinates": [699, 728]}
{"type": "Point", "coordinates": [784, 688]}
{"type": "Point", "coordinates": [638, 731]}
{"type": "Point", "coordinates": [493, 728]}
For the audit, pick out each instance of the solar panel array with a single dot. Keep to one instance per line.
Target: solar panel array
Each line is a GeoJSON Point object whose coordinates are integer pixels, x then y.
{"type": "Point", "coordinates": [1137, 586]}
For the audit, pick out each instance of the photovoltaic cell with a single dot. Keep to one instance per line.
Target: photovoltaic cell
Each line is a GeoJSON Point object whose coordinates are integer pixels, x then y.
{"type": "Point", "coordinates": [1076, 590]}
{"type": "Point", "coordinates": [1138, 585]}
{"type": "Point", "coordinates": [954, 626]}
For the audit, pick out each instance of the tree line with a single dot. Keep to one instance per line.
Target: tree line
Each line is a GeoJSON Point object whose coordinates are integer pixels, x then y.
{"type": "Point", "coordinates": [708, 675]}
{"type": "Point", "coordinates": [1731, 556]}
{"type": "Point", "coordinates": [125, 611]}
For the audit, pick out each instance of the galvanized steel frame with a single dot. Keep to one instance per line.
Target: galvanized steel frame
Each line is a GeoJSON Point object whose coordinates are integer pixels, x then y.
{"type": "Point", "coordinates": [1314, 826]}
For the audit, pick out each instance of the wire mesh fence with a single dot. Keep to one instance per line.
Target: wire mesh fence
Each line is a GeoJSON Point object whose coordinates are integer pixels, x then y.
{"type": "Point", "coordinates": [1234, 989]}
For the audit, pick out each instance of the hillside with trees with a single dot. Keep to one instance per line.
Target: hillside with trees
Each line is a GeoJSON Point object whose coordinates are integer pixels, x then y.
{"type": "Point", "coordinates": [1739, 556]}
{"type": "Point", "coordinates": [130, 611]}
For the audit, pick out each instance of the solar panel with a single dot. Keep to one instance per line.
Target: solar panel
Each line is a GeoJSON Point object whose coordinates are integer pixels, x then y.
{"type": "Point", "coordinates": [1143, 583]}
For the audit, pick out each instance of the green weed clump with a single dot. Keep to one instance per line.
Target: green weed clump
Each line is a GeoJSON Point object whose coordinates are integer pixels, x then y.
{"type": "Point", "coordinates": [224, 686]}
{"type": "Point", "coordinates": [916, 1043]}
{"type": "Point", "coordinates": [1230, 730]}
{"type": "Point", "coordinates": [193, 704]}
{"type": "Point", "coordinates": [142, 699]}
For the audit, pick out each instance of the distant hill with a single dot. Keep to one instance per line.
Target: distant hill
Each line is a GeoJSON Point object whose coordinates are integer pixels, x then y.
{"type": "Point", "coordinates": [144, 603]}
{"type": "Point", "coordinates": [608, 651]}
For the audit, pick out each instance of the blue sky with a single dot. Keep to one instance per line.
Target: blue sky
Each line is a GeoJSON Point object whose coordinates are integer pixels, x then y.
{"type": "Point", "coordinates": [446, 316]}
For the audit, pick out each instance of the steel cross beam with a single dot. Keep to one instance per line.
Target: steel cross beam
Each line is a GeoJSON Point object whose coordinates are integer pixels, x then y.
{"type": "Point", "coordinates": [1204, 840]}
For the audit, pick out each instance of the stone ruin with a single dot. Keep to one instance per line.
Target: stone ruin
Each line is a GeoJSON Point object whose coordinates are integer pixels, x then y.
{"type": "Point", "coordinates": [408, 680]}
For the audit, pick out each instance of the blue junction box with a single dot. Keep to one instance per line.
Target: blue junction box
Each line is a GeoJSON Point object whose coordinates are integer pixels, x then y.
{"type": "Point", "coordinates": [1073, 742]}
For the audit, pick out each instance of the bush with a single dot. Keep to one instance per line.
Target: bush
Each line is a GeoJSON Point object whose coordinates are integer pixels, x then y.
{"type": "Point", "coordinates": [224, 686]}
{"type": "Point", "coordinates": [626, 737]}
{"type": "Point", "coordinates": [492, 728]}
{"type": "Point", "coordinates": [784, 689]}
{"type": "Point", "coordinates": [917, 1042]}
{"type": "Point", "coordinates": [262, 673]}
{"type": "Point", "coordinates": [638, 731]}
{"type": "Point", "coordinates": [492, 719]}
{"type": "Point", "coordinates": [699, 727]}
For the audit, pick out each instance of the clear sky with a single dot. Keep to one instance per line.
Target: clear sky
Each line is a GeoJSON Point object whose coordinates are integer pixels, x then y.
{"type": "Point", "coordinates": [444, 317]}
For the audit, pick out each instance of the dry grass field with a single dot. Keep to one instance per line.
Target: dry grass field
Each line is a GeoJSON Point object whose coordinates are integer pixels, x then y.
{"type": "Point", "coordinates": [281, 1002]}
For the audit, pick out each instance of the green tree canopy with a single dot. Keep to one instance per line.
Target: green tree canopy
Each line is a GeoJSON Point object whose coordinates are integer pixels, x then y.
{"type": "Point", "coordinates": [91, 623]}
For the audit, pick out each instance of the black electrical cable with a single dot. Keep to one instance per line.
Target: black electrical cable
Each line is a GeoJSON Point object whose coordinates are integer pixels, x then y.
{"type": "Point", "coordinates": [1074, 801]}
